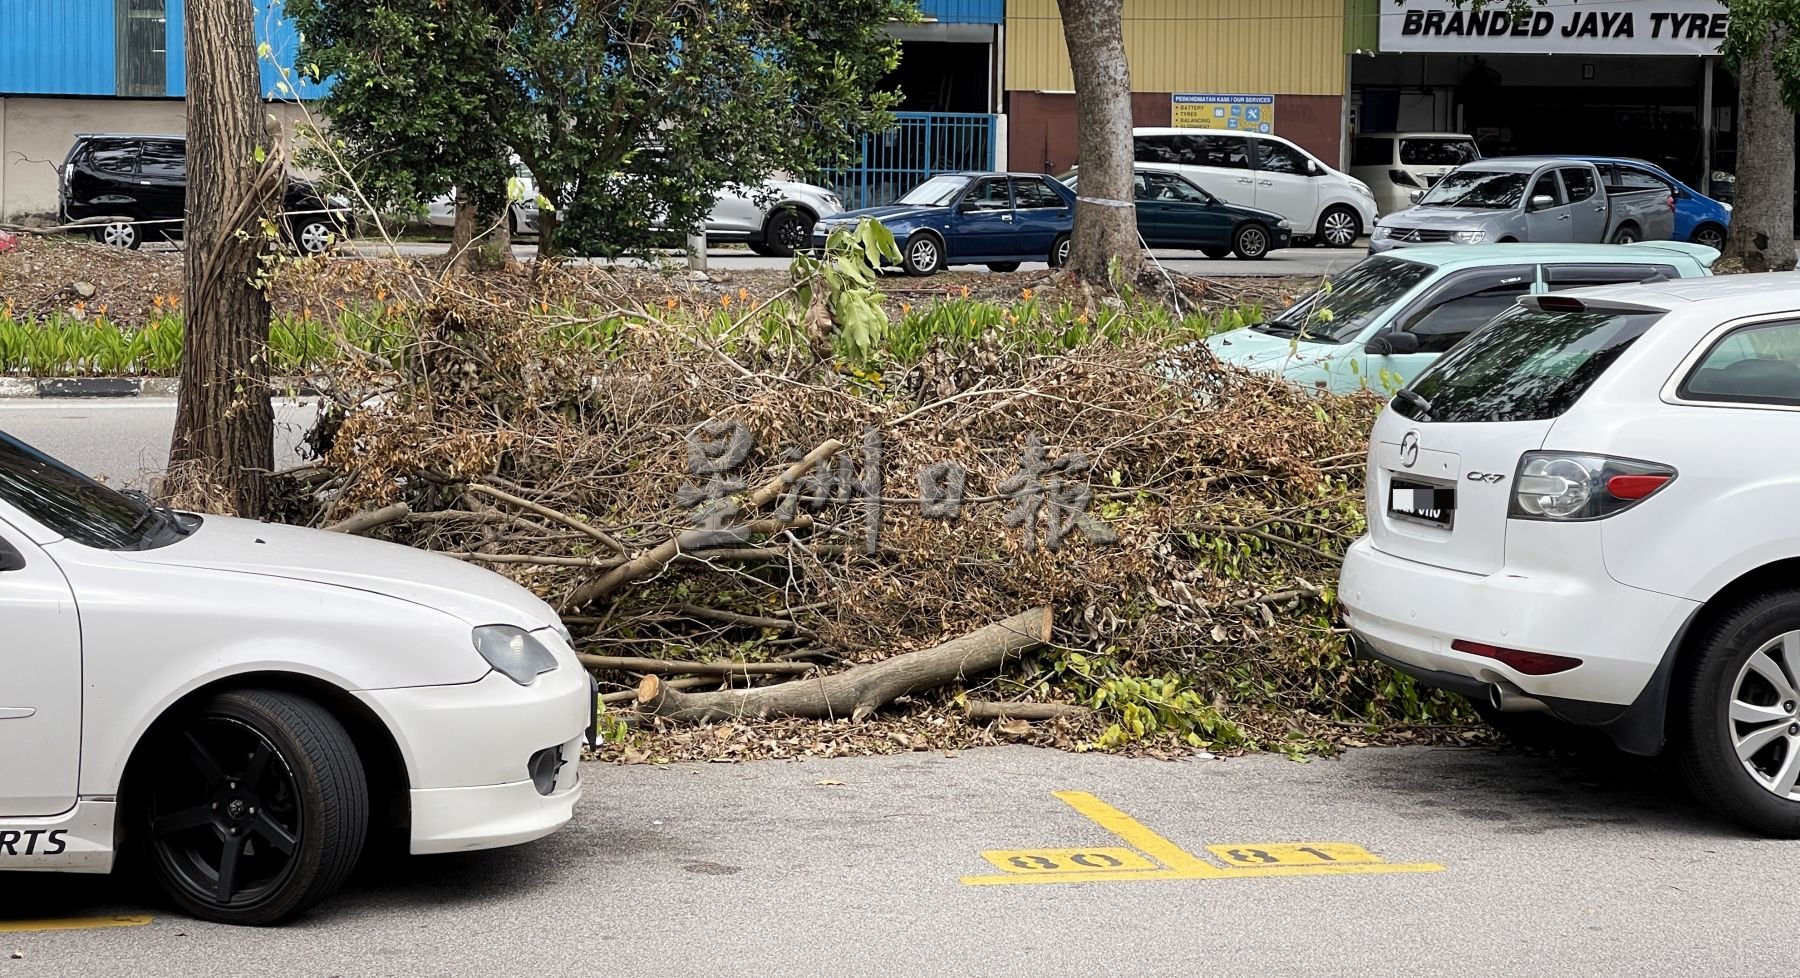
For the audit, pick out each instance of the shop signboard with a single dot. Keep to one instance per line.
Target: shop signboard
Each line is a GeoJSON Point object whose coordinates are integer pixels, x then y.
{"type": "Point", "coordinates": [1254, 113]}
{"type": "Point", "coordinates": [1676, 27]}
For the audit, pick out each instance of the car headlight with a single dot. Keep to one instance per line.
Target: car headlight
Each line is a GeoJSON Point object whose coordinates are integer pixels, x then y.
{"type": "Point", "coordinates": [1381, 234]}
{"type": "Point", "coordinates": [1469, 237]}
{"type": "Point", "coordinates": [513, 653]}
{"type": "Point", "coordinates": [1284, 223]}
{"type": "Point", "coordinates": [1363, 188]}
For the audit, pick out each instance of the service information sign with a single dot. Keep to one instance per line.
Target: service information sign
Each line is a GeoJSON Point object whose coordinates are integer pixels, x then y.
{"type": "Point", "coordinates": [1690, 27]}
{"type": "Point", "coordinates": [1255, 113]}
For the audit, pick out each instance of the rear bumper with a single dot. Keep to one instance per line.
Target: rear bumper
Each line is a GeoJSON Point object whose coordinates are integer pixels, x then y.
{"type": "Point", "coordinates": [1409, 614]}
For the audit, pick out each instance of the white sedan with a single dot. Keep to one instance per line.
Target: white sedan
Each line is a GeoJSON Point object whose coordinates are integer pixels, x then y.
{"type": "Point", "coordinates": [243, 704]}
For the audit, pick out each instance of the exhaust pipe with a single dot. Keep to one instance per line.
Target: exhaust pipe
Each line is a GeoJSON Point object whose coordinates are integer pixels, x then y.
{"type": "Point", "coordinates": [1507, 698]}
{"type": "Point", "coordinates": [1353, 645]}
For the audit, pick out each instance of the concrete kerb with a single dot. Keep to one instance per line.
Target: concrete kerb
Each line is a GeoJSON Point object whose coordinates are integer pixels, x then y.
{"type": "Point", "coordinates": [97, 387]}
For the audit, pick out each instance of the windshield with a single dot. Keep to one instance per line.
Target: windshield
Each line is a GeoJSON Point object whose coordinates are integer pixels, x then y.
{"type": "Point", "coordinates": [1339, 310]}
{"type": "Point", "coordinates": [69, 503]}
{"type": "Point", "coordinates": [1477, 188]}
{"type": "Point", "coordinates": [1438, 152]}
{"type": "Point", "coordinates": [1524, 366]}
{"type": "Point", "coordinates": [936, 192]}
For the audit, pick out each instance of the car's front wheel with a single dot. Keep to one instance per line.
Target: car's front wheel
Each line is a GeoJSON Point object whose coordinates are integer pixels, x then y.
{"type": "Point", "coordinates": [1251, 242]}
{"type": "Point", "coordinates": [313, 237]}
{"type": "Point", "coordinates": [786, 232]}
{"type": "Point", "coordinates": [923, 254]}
{"type": "Point", "coordinates": [1739, 710]}
{"type": "Point", "coordinates": [255, 807]}
{"type": "Point", "coordinates": [1215, 253]}
{"type": "Point", "coordinates": [119, 234]}
{"type": "Point", "coordinates": [1339, 227]}
{"type": "Point", "coordinates": [1710, 235]}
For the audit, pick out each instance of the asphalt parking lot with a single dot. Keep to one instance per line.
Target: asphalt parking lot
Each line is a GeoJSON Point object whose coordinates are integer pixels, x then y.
{"type": "Point", "coordinates": [1383, 862]}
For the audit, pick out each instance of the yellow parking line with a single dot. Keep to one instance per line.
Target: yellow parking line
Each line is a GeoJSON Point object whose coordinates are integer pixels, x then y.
{"type": "Point", "coordinates": [74, 923]}
{"type": "Point", "coordinates": [1135, 833]}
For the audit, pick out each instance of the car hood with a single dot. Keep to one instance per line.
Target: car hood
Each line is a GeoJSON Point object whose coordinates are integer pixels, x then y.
{"type": "Point", "coordinates": [477, 596]}
{"type": "Point", "coordinates": [1440, 217]}
{"type": "Point", "coordinates": [1256, 350]}
{"type": "Point", "coordinates": [793, 188]}
{"type": "Point", "coordinates": [890, 214]}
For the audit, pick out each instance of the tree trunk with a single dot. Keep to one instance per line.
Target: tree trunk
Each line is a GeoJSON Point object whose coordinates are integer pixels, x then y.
{"type": "Point", "coordinates": [857, 692]}
{"type": "Point", "coordinates": [1105, 215]}
{"type": "Point", "coordinates": [462, 233]}
{"type": "Point", "coordinates": [223, 446]}
{"type": "Point", "coordinates": [1762, 217]}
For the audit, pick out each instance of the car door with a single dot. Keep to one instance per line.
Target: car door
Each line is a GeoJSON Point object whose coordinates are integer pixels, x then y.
{"type": "Point", "coordinates": [1283, 184]}
{"type": "Point", "coordinates": [737, 209]}
{"type": "Point", "coordinates": [102, 181]}
{"type": "Point", "coordinates": [40, 697]}
{"type": "Point", "coordinates": [162, 182]}
{"type": "Point", "coordinates": [983, 224]}
{"type": "Point", "coordinates": [1039, 215]}
{"type": "Point", "coordinates": [1552, 221]}
{"type": "Point", "coordinates": [1587, 203]}
{"type": "Point", "coordinates": [1445, 315]}
{"type": "Point", "coordinates": [1221, 163]}
{"type": "Point", "coordinates": [1187, 216]}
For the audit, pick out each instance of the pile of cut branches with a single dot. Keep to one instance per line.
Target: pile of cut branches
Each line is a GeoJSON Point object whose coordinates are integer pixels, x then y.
{"type": "Point", "coordinates": [1128, 543]}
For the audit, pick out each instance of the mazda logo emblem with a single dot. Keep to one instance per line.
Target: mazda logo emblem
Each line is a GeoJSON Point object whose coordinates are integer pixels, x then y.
{"type": "Point", "coordinates": [1409, 449]}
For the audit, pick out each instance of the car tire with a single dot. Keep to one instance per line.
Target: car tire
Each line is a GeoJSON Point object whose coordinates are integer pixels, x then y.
{"type": "Point", "coordinates": [256, 841]}
{"type": "Point", "coordinates": [1003, 266]}
{"type": "Point", "coordinates": [1738, 736]}
{"type": "Point", "coordinates": [1059, 251]}
{"type": "Point", "coordinates": [1339, 227]}
{"type": "Point", "coordinates": [1626, 234]}
{"type": "Point", "coordinates": [1710, 235]}
{"type": "Point", "coordinates": [786, 232]}
{"type": "Point", "coordinates": [313, 236]}
{"type": "Point", "coordinates": [1250, 242]}
{"type": "Point", "coordinates": [766, 251]}
{"type": "Point", "coordinates": [120, 234]}
{"type": "Point", "coordinates": [1215, 253]}
{"type": "Point", "coordinates": [923, 254]}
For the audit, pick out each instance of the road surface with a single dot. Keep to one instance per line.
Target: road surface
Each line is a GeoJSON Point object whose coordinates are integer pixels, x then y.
{"type": "Point", "coordinates": [1493, 865]}
{"type": "Point", "coordinates": [126, 440]}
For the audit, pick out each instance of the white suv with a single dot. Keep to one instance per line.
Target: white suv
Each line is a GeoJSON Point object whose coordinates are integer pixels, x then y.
{"type": "Point", "coordinates": [1589, 509]}
{"type": "Point", "coordinates": [1268, 173]}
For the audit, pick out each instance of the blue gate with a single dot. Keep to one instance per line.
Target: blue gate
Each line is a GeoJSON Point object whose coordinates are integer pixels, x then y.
{"type": "Point", "coordinates": [919, 145]}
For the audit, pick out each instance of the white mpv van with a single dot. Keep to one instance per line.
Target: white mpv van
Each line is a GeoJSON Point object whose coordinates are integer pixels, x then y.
{"type": "Point", "coordinates": [1269, 173]}
{"type": "Point", "coordinates": [1397, 165]}
{"type": "Point", "coordinates": [1591, 509]}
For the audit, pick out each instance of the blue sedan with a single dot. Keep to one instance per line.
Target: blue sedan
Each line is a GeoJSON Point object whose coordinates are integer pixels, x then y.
{"type": "Point", "coordinates": [1698, 218]}
{"type": "Point", "coordinates": [993, 219]}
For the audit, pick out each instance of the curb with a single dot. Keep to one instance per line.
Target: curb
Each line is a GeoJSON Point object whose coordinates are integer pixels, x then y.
{"type": "Point", "coordinates": [108, 387]}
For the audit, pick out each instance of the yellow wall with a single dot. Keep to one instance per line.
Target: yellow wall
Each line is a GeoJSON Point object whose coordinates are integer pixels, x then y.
{"type": "Point", "coordinates": [1285, 47]}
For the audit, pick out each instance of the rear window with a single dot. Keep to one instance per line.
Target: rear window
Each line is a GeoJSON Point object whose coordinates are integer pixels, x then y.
{"type": "Point", "coordinates": [1438, 152]}
{"type": "Point", "coordinates": [1525, 366]}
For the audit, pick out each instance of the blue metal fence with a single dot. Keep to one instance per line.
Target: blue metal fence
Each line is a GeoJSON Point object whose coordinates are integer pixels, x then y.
{"type": "Point", "coordinates": [919, 145]}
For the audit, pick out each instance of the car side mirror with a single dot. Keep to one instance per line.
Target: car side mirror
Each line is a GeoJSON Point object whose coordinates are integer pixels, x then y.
{"type": "Point", "coordinates": [967, 207]}
{"type": "Point", "coordinates": [1415, 196]}
{"type": "Point", "coordinates": [10, 559]}
{"type": "Point", "coordinates": [1542, 202]}
{"type": "Point", "coordinates": [1392, 344]}
{"type": "Point", "coordinates": [1313, 168]}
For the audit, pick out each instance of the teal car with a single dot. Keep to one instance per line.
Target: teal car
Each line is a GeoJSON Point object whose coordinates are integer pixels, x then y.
{"type": "Point", "coordinates": [1380, 322]}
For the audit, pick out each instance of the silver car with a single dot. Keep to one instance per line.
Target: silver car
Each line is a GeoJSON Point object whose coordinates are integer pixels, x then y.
{"type": "Point", "coordinates": [1527, 199]}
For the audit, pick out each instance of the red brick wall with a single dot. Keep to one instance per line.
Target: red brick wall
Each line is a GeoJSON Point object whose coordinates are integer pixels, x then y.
{"type": "Point", "coordinates": [1041, 125]}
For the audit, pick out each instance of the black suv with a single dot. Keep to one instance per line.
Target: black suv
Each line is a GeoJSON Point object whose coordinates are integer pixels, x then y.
{"type": "Point", "coordinates": [129, 187]}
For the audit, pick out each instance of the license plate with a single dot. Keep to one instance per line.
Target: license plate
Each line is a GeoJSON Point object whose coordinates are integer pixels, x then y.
{"type": "Point", "coordinates": [1422, 502]}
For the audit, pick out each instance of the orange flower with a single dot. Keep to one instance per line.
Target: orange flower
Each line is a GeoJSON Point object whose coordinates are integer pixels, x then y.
{"type": "Point", "coordinates": [544, 307]}
{"type": "Point", "coordinates": [103, 309]}
{"type": "Point", "coordinates": [965, 292]}
{"type": "Point", "coordinates": [725, 302]}
{"type": "Point", "coordinates": [157, 301]}
{"type": "Point", "coordinates": [1026, 295]}
{"type": "Point", "coordinates": [905, 307]}
{"type": "Point", "coordinates": [743, 295]}
{"type": "Point", "coordinates": [1082, 319]}
{"type": "Point", "coordinates": [340, 305]}
{"type": "Point", "coordinates": [381, 295]}
{"type": "Point", "coordinates": [1012, 319]}
{"type": "Point", "coordinates": [669, 303]}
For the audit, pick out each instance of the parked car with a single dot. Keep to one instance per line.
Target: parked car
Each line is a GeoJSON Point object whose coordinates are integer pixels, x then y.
{"type": "Point", "coordinates": [995, 219]}
{"type": "Point", "coordinates": [243, 703]}
{"type": "Point", "coordinates": [1174, 212]}
{"type": "Point", "coordinates": [775, 218]}
{"type": "Point", "coordinates": [1583, 512]}
{"type": "Point", "coordinates": [522, 215]}
{"type": "Point", "coordinates": [1527, 199]}
{"type": "Point", "coordinates": [1385, 319]}
{"type": "Point", "coordinates": [129, 187]}
{"type": "Point", "coordinates": [1397, 164]}
{"type": "Point", "coordinates": [1268, 173]}
{"type": "Point", "coordinates": [1698, 218]}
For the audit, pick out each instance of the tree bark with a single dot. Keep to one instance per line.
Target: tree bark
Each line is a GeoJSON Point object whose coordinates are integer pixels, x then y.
{"type": "Point", "coordinates": [1762, 217]}
{"type": "Point", "coordinates": [462, 233]}
{"type": "Point", "coordinates": [861, 690]}
{"type": "Point", "coordinates": [1105, 215]}
{"type": "Point", "coordinates": [223, 446]}
{"type": "Point", "coordinates": [983, 710]}
{"type": "Point", "coordinates": [678, 667]}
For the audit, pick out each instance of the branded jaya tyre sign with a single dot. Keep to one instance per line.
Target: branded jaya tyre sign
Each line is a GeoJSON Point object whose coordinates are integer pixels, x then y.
{"type": "Point", "coordinates": [1689, 27]}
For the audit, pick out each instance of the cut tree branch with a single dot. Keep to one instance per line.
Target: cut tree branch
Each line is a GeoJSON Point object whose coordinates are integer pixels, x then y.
{"type": "Point", "coordinates": [550, 514]}
{"type": "Point", "coordinates": [982, 710]}
{"type": "Point", "coordinates": [679, 667]}
{"type": "Point", "coordinates": [370, 519]}
{"type": "Point", "coordinates": [695, 542]}
{"type": "Point", "coordinates": [861, 690]}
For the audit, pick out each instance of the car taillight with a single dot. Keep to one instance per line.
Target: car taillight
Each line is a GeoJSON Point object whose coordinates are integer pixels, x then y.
{"type": "Point", "coordinates": [1569, 487]}
{"type": "Point", "coordinates": [1402, 178]}
{"type": "Point", "coordinates": [1529, 663]}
